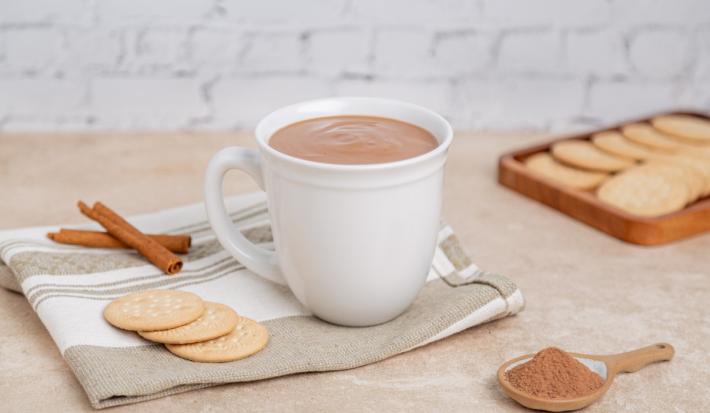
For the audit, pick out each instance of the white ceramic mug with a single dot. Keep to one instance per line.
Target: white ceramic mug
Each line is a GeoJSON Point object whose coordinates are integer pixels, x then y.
{"type": "Point", "coordinates": [353, 242]}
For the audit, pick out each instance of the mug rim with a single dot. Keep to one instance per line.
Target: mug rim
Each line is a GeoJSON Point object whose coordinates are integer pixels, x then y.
{"type": "Point", "coordinates": [442, 147]}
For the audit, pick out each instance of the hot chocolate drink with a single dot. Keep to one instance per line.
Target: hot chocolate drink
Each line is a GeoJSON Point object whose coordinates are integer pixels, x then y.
{"type": "Point", "coordinates": [353, 140]}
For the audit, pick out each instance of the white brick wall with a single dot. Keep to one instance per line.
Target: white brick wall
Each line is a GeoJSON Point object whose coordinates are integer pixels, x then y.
{"type": "Point", "coordinates": [29, 50]}
{"type": "Point", "coordinates": [609, 98]}
{"type": "Point", "coordinates": [436, 95]}
{"type": "Point", "coordinates": [74, 12]}
{"type": "Point", "coordinates": [660, 53]}
{"type": "Point", "coordinates": [545, 13]}
{"type": "Point", "coordinates": [272, 53]}
{"type": "Point", "coordinates": [530, 52]}
{"type": "Point", "coordinates": [152, 102]}
{"type": "Point", "coordinates": [239, 102]}
{"type": "Point", "coordinates": [403, 53]}
{"type": "Point", "coordinates": [45, 98]}
{"type": "Point", "coordinates": [221, 64]}
{"type": "Point", "coordinates": [597, 52]}
{"type": "Point", "coordinates": [338, 51]}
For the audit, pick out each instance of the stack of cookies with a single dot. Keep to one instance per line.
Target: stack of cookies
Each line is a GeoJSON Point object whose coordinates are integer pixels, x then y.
{"type": "Point", "coordinates": [647, 169]}
{"type": "Point", "coordinates": [189, 327]}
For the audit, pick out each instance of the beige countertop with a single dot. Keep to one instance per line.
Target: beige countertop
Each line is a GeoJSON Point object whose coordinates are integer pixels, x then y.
{"type": "Point", "coordinates": [585, 291]}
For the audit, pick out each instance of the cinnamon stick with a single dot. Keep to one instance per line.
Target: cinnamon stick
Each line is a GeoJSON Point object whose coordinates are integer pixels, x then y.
{"type": "Point", "coordinates": [179, 244]}
{"type": "Point", "coordinates": [127, 233]}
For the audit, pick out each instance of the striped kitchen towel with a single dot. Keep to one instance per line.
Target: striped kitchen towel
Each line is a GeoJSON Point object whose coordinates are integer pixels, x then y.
{"type": "Point", "coordinates": [69, 286]}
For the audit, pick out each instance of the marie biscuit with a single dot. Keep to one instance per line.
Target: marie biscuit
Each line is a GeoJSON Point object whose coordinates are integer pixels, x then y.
{"type": "Point", "coordinates": [154, 310]}
{"type": "Point", "coordinates": [615, 143]}
{"type": "Point", "coordinates": [585, 155]}
{"type": "Point", "coordinates": [216, 321]}
{"type": "Point", "coordinates": [247, 338]}
{"type": "Point", "coordinates": [645, 192]}
{"type": "Point", "coordinates": [544, 164]}
{"type": "Point", "coordinates": [691, 129]}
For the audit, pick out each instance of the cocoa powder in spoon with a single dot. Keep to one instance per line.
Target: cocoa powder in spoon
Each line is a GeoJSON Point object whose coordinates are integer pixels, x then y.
{"type": "Point", "coordinates": [554, 374]}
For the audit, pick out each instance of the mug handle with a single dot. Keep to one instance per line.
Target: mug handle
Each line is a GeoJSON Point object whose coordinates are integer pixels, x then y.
{"type": "Point", "coordinates": [257, 259]}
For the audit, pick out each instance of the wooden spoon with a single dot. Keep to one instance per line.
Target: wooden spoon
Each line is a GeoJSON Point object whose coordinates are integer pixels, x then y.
{"type": "Point", "coordinates": [605, 366]}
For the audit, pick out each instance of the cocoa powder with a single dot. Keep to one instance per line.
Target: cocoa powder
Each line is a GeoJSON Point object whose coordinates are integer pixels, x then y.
{"type": "Point", "coordinates": [554, 374]}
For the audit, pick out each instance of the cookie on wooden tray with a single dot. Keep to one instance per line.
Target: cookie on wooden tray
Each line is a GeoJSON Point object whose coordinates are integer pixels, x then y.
{"type": "Point", "coordinates": [154, 310]}
{"type": "Point", "coordinates": [645, 134]}
{"type": "Point", "coordinates": [616, 144]}
{"type": "Point", "coordinates": [544, 164]}
{"type": "Point", "coordinates": [703, 167]}
{"type": "Point", "coordinates": [584, 154]}
{"type": "Point", "coordinates": [700, 152]}
{"type": "Point", "coordinates": [690, 178]}
{"type": "Point", "coordinates": [216, 321]}
{"type": "Point", "coordinates": [698, 164]}
{"type": "Point", "coordinates": [247, 338]}
{"type": "Point", "coordinates": [686, 127]}
{"type": "Point", "coordinates": [645, 192]}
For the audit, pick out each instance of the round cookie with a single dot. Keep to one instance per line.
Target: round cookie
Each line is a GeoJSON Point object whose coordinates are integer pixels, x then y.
{"type": "Point", "coordinates": [645, 134]}
{"type": "Point", "coordinates": [616, 144]}
{"type": "Point", "coordinates": [644, 192]}
{"type": "Point", "coordinates": [247, 338]}
{"type": "Point", "coordinates": [216, 321]}
{"type": "Point", "coordinates": [701, 152]}
{"type": "Point", "coordinates": [690, 178]}
{"type": "Point", "coordinates": [154, 310]}
{"type": "Point", "coordinates": [544, 164]}
{"type": "Point", "coordinates": [699, 165]}
{"type": "Point", "coordinates": [584, 154]}
{"type": "Point", "coordinates": [688, 128]}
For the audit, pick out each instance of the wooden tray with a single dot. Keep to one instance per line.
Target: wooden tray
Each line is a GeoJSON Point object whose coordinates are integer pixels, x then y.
{"type": "Point", "coordinates": [586, 207]}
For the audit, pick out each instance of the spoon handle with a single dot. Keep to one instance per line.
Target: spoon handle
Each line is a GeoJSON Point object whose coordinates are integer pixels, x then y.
{"type": "Point", "coordinates": [635, 360]}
